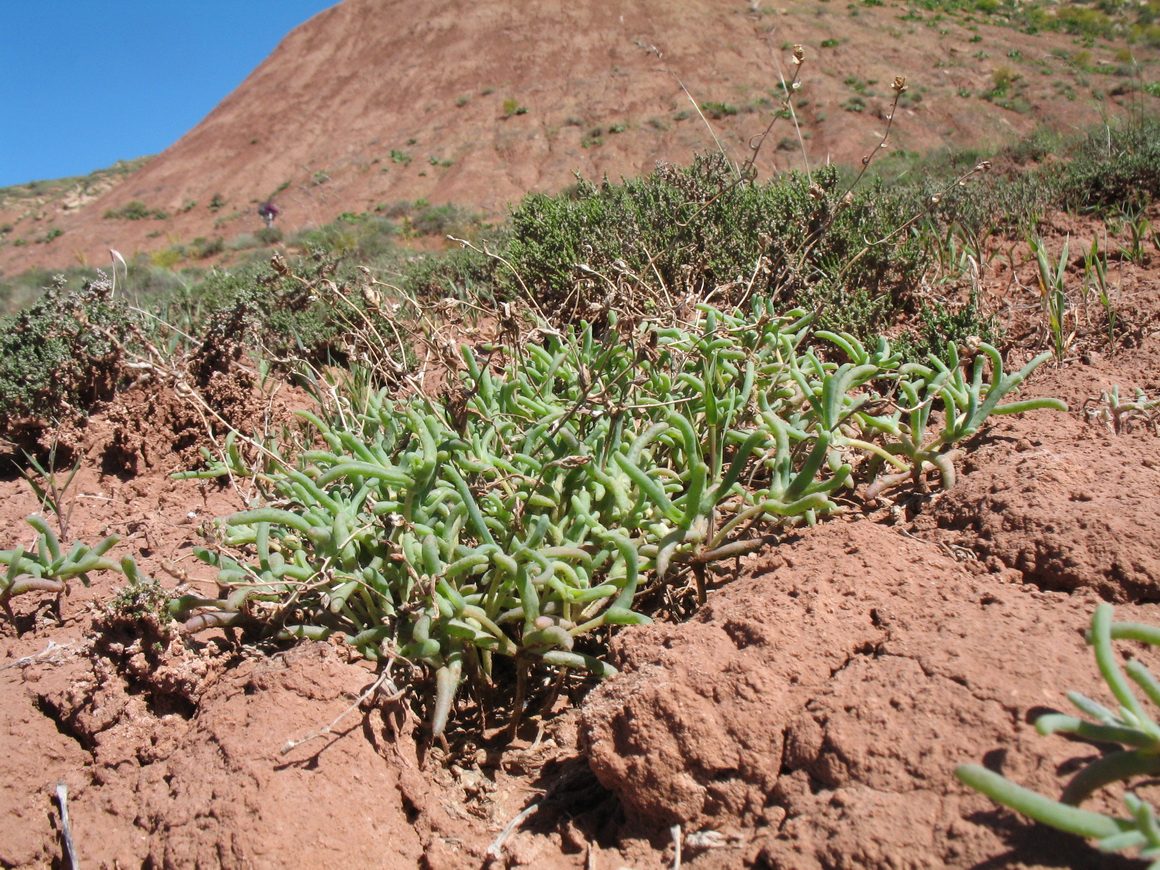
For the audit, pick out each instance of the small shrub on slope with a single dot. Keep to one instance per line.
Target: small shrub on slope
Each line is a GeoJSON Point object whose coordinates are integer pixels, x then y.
{"type": "Point", "coordinates": [701, 232]}
{"type": "Point", "coordinates": [1116, 166]}
{"type": "Point", "coordinates": [61, 355]}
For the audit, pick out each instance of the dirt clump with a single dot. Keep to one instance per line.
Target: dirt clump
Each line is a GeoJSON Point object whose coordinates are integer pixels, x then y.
{"type": "Point", "coordinates": [1068, 506]}
{"type": "Point", "coordinates": [1065, 514]}
{"type": "Point", "coordinates": [812, 714]}
{"type": "Point", "coordinates": [186, 767]}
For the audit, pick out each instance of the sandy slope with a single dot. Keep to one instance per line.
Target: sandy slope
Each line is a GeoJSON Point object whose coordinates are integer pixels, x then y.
{"type": "Point", "coordinates": [374, 101]}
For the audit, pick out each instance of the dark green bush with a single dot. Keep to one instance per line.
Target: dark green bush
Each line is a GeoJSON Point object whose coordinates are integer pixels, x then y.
{"type": "Point", "coordinates": [718, 111]}
{"type": "Point", "coordinates": [400, 208]}
{"type": "Point", "coordinates": [268, 235]}
{"type": "Point", "coordinates": [308, 310]}
{"type": "Point", "coordinates": [1115, 166]}
{"type": "Point", "coordinates": [702, 230]}
{"type": "Point", "coordinates": [440, 220]}
{"type": "Point", "coordinates": [1111, 166]}
{"type": "Point", "coordinates": [270, 309]}
{"type": "Point", "coordinates": [353, 236]}
{"type": "Point", "coordinates": [201, 248]}
{"type": "Point", "coordinates": [62, 355]}
{"type": "Point", "coordinates": [940, 323]}
{"type": "Point", "coordinates": [135, 211]}
{"type": "Point", "coordinates": [461, 273]}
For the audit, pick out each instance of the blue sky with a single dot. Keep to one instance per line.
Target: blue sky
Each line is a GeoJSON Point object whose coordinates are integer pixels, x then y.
{"type": "Point", "coordinates": [85, 83]}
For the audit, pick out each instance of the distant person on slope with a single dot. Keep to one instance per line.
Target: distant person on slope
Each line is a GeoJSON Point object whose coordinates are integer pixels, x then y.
{"type": "Point", "coordinates": [268, 211]}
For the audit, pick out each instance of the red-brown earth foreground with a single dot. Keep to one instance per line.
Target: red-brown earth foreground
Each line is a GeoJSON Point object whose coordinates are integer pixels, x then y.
{"type": "Point", "coordinates": [809, 715]}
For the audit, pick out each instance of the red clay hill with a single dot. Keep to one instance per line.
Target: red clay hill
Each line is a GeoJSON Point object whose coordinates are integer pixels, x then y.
{"type": "Point", "coordinates": [477, 102]}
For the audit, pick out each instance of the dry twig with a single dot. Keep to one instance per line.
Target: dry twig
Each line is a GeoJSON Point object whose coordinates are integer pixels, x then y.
{"type": "Point", "coordinates": [70, 850]}
{"type": "Point", "coordinates": [384, 679]}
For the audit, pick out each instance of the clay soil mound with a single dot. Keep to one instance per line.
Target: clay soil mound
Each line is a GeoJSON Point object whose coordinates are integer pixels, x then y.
{"type": "Point", "coordinates": [812, 714]}
{"type": "Point", "coordinates": [1069, 502]}
{"type": "Point", "coordinates": [1065, 513]}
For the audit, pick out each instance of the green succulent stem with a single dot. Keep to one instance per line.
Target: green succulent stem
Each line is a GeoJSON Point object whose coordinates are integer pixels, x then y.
{"type": "Point", "coordinates": [1131, 726]}
{"type": "Point", "coordinates": [599, 462]}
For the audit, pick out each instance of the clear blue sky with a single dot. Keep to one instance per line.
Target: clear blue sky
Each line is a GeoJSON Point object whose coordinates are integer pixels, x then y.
{"type": "Point", "coordinates": [85, 83]}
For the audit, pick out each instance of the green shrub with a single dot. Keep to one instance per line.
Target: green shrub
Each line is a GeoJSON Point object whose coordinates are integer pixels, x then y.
{"type": "Point", "coordinates": [717, 111]}
{"type": "Point", "coordinates": [400, 208]}
{"type": "Point", "coordinates": [268, 235]}
{"type": "Point", "coordinates": [62, 355]}
{"type": "Point", "coordinates": [461, 273]}
{"type": "Point", "coordinates": [135, 211]}
{"type": "Point", "coordinates": [1114, 167]}
{"type": "Point", "coordinates": [701, 230]}
{"type": "Point", "coordinates": [941, 323]}
{"type": "Point", "coordinates": [362, 237]}
{"type": "Point", "coordinates": [308, 311]}
{"type": "Point", "coordinates": [439, 220]}
{"type": "Point", "coordinates": [265, 309]}
{"type": "Point", "coordinates": [201, 248]}
{"type": "Point", "coordinates": [243, 242]}
{"type": "Point", "coordinates": [1001, 80]}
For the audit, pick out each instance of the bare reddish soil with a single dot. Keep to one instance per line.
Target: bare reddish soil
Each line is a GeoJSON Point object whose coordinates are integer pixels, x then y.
{"type": "Point", "coordinates": [809, 715]}
{"type": "Point", "coordinates": [477, 102]}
